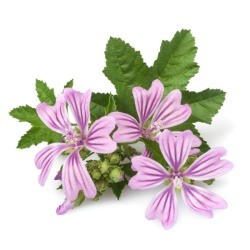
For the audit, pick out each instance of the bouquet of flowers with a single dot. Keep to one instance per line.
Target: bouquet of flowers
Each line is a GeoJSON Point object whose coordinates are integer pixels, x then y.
{"type": "Point", "coordinates": [153, 107]}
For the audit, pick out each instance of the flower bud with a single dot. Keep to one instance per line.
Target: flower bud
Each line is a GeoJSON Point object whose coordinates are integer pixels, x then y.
{"type": "Point", "coordinates": [101, 186]}
{"type": "Point", "coordinates": [104, 166]}
{"type": "Point", "coordinates": [116, 175]}
{"type": "Point", "coordinates": [115, 159]}
{"type": "Point", "coordinates": [93, 164]}
{"type": "Point", "coordinates": [191, 159]}
{"type": "Point", "coordinates": [96, 174]}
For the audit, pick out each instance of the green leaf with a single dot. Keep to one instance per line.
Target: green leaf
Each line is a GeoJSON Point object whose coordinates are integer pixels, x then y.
{"type": "Point", "coordinates": [125, 69]}
{"type": "Point", "coordinates": [80, 199]}
{"type": "Point", "coordinates": [39, 132]}
{"type": "Point", "coordinates": [118, 187]}
{"type": "Point", "coordinates": [189, 126]}
{"type": "Point", "coordinates": [127, 150]}
{"type": "Point", "coordinates": [44, 93]}
{"type": "Point", "coordinates": [111, 107]}
{"type": "Point", "coordinates": [127, 169]}
{"type": "Point", "coordinates": [69, 84]}
{"type": "Point", "coordinates": [175, 63]}
{"type": "Point", "coordinates": [101, 99]}
{"type": "Point", "coordinates": [96, 111]}
{"type": "Point", "coordinates": [26, 114]}
{"type": "Point", "coordinates": [209, 182]}
{"type": "Point", "coordinates": [154, 148]}
{"type": "Point", "coordinates": [205, 104]}
{"type": "Point", "coordinates": [99, 102]}
{"type": "Point", "coordinates": [36, 135]}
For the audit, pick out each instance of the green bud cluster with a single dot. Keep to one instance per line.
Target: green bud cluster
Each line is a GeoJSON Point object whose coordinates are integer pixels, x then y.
{"type": "Point", "coordinates": [105, 172]}
{"type": "Point", "coordinates": [116, 174]}
{"type": "Point", "coordinates": [108, 171]}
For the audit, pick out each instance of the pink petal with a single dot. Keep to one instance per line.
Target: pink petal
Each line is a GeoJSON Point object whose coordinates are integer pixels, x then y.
{"type": "Point", "coordinates": [170, 112]}
{"type": "Point", "coordinates": [55, 117]}
{"type": "Point", "coordinates": [65, 207]}
{"type": "Point", "coordinates": [156, 138]}
{"type": "Point", "coordinates": [149, 173]}
{"type": "Point", "coordinates": [128, 128]}
{"type": "Point", "coordinates": [45, 158]}
{"type": "Point", "coordinates": [176, 149]}
{"type": "Point", "coordinates": [163, 207]}
{"type": "Point", "coordinates": [201, 200]}
{"type": "Point", "coordinates": [146, 101]}
{"type": "Point", "coordinates": [99, 140]}
{"type": "Point", "coordinates": [79, 104]}
{"type": "Point", "coordinates": [75, 177]}
{"type": "Point", "coordinates": [195, 143]}
{"type": "Point", "coordinates": [209, 165]}
{"type": "Point", "coordinates": [194, 151]}
{"type": "Point", "coordinates": [146, 153]}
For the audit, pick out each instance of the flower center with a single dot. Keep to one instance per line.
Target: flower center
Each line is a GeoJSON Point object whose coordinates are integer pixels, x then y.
{"type": "Point", "coordinates": [72, 138]}
{"type": "Point", "coordinates": [177, 182]}
{"type": "Point", "coordinates": [154, 128]}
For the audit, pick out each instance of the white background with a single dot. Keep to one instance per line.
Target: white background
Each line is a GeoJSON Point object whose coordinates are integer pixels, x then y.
{"type": "Point", "coordinates": [59, 40]}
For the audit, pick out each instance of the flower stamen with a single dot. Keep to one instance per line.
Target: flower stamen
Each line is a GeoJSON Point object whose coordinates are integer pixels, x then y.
{"type": "Point", "coordinates": [72, 138]}
{"type": "Point", "coordinates": [156, 127]}
{"type": "Point", "coordinates": [177, 182]}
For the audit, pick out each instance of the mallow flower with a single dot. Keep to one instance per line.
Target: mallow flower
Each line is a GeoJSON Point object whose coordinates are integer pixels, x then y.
{"type": "Point", "coordinates": [176, 149]}
{"type": "Point", "coordinates": [196, 143]}
{"type": "Point", "coordinates": [154, 114]}
{"type": "Point", "coordinates": [75, 176]}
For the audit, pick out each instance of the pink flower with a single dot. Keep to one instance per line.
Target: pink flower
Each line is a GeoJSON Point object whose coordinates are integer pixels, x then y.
{"type": "Point", "coordinates": [196, 142]}
{"type": "Point", "coordinates": [75, 176]}
{"type": "Point", "coordinates": [176, 149]}
{"type": "Point", "coordinates": [165, 114]}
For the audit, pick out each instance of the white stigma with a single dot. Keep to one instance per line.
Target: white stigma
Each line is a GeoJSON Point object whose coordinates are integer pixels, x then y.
{"type": "Point", "coordinates": [72, 138]}
{"type": "Point", "coordinates": [177, 182]}
{"type": "Point", "coordinates": [156, 126]}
